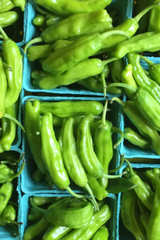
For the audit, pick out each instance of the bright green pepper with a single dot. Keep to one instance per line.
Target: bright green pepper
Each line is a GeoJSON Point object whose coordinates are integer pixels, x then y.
{"type": "Point", "coordinates": [151, 174]}
{"type": "Point", "coordinates": [12, 57]}
{"type": "Point", "coordinates": [69, 7]}
{"type": "Point", "coordinates": [40, 51]}
{"type": "Point", "coordinates": [6, 5]}
{"type": "Point", "coordinates": [6, 189]}
{"type": "Point", "coordinates": [19, 3]}
{"type": "Point", "coordinates": [3, 89]}
{"type": "Point", "coordinates": [99, 218]}
{"type": "Point", "coordinates": [9, 214]}
{"type": "Point", "coordinates": [52, 19]}
{"type": "Point", "coordinates": [101, 234]}
{"type": "Point", "coordinates": [7, 19]}
{"type": "Point", "coordinates": [39, 21]}
{"type": "Point", "coordinates": [56, 233]}
{"type": "Point", "coordinates": [144, 214]}
{"type": "Point", "coordinates": [153, 232]}
{"type": "Point", "coordinates": [154, 19]}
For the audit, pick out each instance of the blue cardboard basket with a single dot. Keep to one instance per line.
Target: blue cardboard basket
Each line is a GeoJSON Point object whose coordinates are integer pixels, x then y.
{"type": "Point", "coordinates": [28, 185]}
{"type": "Point", "coordinates": [122, 232]}
{"type": "Point", "coordinates": [7, 232]}
{"type": "Point", "coordinates": [111, 200]}
{"type": "Point", "coordinates": [124, 9]}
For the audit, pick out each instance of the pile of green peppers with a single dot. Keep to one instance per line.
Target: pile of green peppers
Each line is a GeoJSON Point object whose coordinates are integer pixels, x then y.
{"type": "Point", "coordinates": [66, 218]}
{"type": "Point", "coordinates": [71, 140]}
{"type": "Point", "coordinates": [140, 206]}
{"type": "Point", "coordinates": [77, 38]}
{"type": "Point", "coordinates": [11, 15]}
{"type": "Point", "coordinates": [8, 174]}
{"type": "Point", "coordinates": [11, 66]}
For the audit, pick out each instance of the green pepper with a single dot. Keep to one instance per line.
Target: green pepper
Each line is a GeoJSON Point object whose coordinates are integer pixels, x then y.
{"type": "Point", "coordinates": [69, 7]}
{"type": "Point", "coordinates": [152, 230]}
{"type": "Point", "coordinates": [141, 123]}
{"type": "Point", "coordinates": [75, 25]}
{"type": "Point", "coordinates": [145, 194]}
{"type": "Point", "coordinates": [19, 3]}
{"type": "Point", "coordinates": [76, 52]}
{"type": "Point", "coordinates": [51, 155]}
{"type": "Point", "coordinates": [12, 57]}
{"type": "Point", "coordinates": [56, 233]}
{"type": "Point", "coordinates": [154, 69]}
{"type": "Point", "coordinates": [143, 23]}
{"type": "Point", "coordinates": [101, 234]}
{"type": "Point", "coordinates": [7, 174]}
{"type": "Point", "coordinates": [6, 191]}
{"type": "Point", "coordinates": [154, 19]}
{"type": "Point", "coordinates": [6, 5]}
{"type": "Point", "coordinates": [141, 78]}
{"type": "Point", "coordinates": [85, 69]}
{"type": "Point", "coordinates": [148, 41]}
{"type": "Point", "coordinates": [40, 21]}
{"type": "Point", "coordinates": [130, 215]}
{"type": "Point", "coordinates": [136, 139]}
{"type": "Point", "coordinates": [129, 26]}
{"type": "Point", "coordinates": [3, 89]}
{"type": "Point", "coordinates": [144, 214]}
{"type": "Point", "coordinates": [151, 174]}
{"type": "Point", "coordinates": [71, 159]}
{"type": "Point", "coordinates": [52, 19]}
{"type": "Point", "coordinates": [40, 51]}
{"type": "Point", "coordinates": [32, 126]}
{"type": "Point", "coordinates": [66, 109]}
{"type": "Point", "coordinates": [34, 214]}
{"type": "Point", "coordinates": [9, 214]}
{"type": "Point", "coordinates": [7, 19]}
{"type": "Point", "coordinates": [99, 218]}
{"type": "Point", "coordinates": [127, 78]}
{"type": "Point", "coordinates": [38, 201]}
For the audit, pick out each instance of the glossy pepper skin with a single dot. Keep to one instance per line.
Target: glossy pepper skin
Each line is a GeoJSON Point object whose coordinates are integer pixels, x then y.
{"type": "Point", "coordinates": [32, 126]}
{"type": "Point", "coordinates": [154, 18]}
{"type": "Point", "coordinates": [56, 232]}
{"type": "Point", "coordinates": [151, 175]}
{"type": "Point", "coordinates": [85, 69]}
{"type": "Point", "coordinates": [6, 5]}
{"type": "Point", "coordinates": [148, 106]}
{"type": "Point", "coordinates": [130, 215]}
{"type": "Point", "coordinates": [127, 78]}
{"type": "Point", "coordinates": [103, 145]}
{"type": "Point", "coordinates": [141, 123]}
{"type": "Point", "coordinates": [3, 89]}
{"type": "Point", "coordinates": [99, 218]}
{"type": "Point", "coordinates": [66, 109]}
{"type": "Point", "coordinates": [6, 191]}
{"type": "Point", "coordinates": [153, 232]}
{"type": "Point", "coordinates": [39, 51]}
{"type": "Point", "coordinates": [9, 128]}
{"type": "Point", "coordinates": [70, 7]}
{"type": "Point", "coordinates": [137, 139]}
{"type": "Point", "coordinates": [144, 193]}
{"type": "Point", "coordinates": [9, 214]}
{"type": "Point", "coordinates": [19, 3]}
{"type": "Point", "coordinates": [7, 19]}
{"type": "Point", "coordinates": [51, 154]}
{"type": "Point", "coordinates": [141, 78]}
{"type": "Point", "coordinates": [71, 159]}
{"type": "Point", "coordinates": [101, 234]}
{"type": "Point", "coordinates": [13, 58]}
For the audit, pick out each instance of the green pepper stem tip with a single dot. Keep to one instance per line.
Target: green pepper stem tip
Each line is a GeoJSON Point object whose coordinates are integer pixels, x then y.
{"type": "Point", "coordinates": [6, 115]}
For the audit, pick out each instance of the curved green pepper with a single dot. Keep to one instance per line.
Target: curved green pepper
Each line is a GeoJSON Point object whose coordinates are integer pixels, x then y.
{"type": "Point", "coordinates": [7, 19]}
{"type": "Point", "coordinates": [101, 234]}
{"type": "Point", "coordinates": [56, 233]}
{"type": "Point", "coordinates": [6, 191]}
{"type": "Point", "coordinates": [154, 19]}
{"type": "Point", "coordinates": [19, 3]}
{"type": "Point", "coordinates": [3, 89]}
{"type": "Point", "coordinates": [6, 5]}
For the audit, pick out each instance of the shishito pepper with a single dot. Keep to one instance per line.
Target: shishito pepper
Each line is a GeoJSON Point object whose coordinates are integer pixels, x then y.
{"type": "Point", "coordinates": [130, 215]}
{"type": "Point", "coordinates": [141, 123]}
{"type": "Point", "coordinates": [56, 232]}
{"type": "Point", "coordinates": [71, 159]}
{"type": "Point", "coordinates": [6, 191]}
{"type": "Point", "coordinates": [153, 232]}
{"type": "Point", "coordinates": [101, 234]}
{"type": "Point", "coordinates": [69, 7]}
{"type": "Point", "coordinates": [85, 69]}
{"type": "Point", "coordinates": [19, 3]}
{"type": "Point", "coordinates": [99, 218]}
{"type": "Point", "coordinates": [12, 57]}
{"type": "Point", "coordinates": [7, 19]}
{"type": "Point", "coordinates": [144, 214]}
{"type": "Point", "coordinates": [136, 139]}
{"type": "Point", "coordinates": [75, 25]}
{"type": "Point", "coordinates": [6, 5]}
{"type": "Point", "coordinates": [154, 19]}
{"type": "Point", "coordinates": [8, 215]}
{"type": "Point", "coordinates": [3, 89]}
{"type": "Point", "coordinates": [82, 48]}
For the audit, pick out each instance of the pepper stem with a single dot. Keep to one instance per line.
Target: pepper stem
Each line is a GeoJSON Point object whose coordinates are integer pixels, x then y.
{"type": "Point", "coordinates": [4, 35]}
{"type": "Point", "coordinates": [18, 173]}
{"type": "Point", "coordinates": [37, 208]}
{"type": "Point", "coordinates": [39, 9]}
{"type": "Point", "coordinates": [6, 115]}
{"type": "Point", "coordinates": [35, 40]}
{"type": "Point", "coordinates": [104, 113]}
{"type": "Point", "coordinates": [104, 84]}
{"type": "Point", "coordinates": [149, 62]}
{"type": "Point", "coordinates": [113, 32]}
{"type": "Point", "coordinates": [111, 176]}
{"type": "Point", "coordinates": [92, 196]}
{"type": "Point", "coordinates": [142, 13]}
{"type": "Point", "coordinates": [104, 62]}
{"type": "Point", "coordinates": [120, 165]}
{"type": "Point", "coordinates": [117, 100]}
{"type": "Point", "coordinates": [115, 130]}
{"type": "Point", "coordinates": [73, 193]}
{"type": "Point", "coordinates": [129, 166]}
{"type": "Point", "coordinates": [132, 89]}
